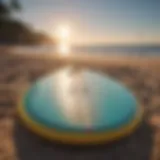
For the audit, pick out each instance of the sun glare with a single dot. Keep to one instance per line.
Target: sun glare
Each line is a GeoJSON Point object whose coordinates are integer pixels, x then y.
{"type": "Point", "coordinates": [63, 37]}
{"type": "Point", "coordinates": [63, 33]}
{"type": "Point", "coordinates": [63, 49]}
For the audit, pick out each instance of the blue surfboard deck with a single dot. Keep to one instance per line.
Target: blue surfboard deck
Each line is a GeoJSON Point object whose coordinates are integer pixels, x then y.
{"type": "Point", "coordinates": [80, 100]}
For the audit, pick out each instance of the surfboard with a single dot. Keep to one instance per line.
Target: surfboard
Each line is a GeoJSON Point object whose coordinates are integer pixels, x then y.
{"type": "Point", "coordinates": [79, 106]}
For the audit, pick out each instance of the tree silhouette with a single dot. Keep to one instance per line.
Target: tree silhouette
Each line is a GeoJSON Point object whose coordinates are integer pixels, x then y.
{"type": "Point", "coordinates": [15, 5]}
{"type": "Point", "coordinates": [7, 8]}
{"type": "Point", "coordinates": [13, 31]}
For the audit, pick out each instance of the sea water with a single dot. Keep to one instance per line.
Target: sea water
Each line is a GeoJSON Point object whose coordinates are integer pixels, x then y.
{"type": "Point", "coordinates": [132, 50]}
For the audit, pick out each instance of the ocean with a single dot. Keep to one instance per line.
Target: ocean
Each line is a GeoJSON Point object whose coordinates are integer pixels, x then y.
{"type": "Point", "coordinates": [150, 50]}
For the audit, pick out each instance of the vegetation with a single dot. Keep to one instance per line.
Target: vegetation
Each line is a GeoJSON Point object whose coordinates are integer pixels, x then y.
{"type": "Point", "coordinates": [16, 32]}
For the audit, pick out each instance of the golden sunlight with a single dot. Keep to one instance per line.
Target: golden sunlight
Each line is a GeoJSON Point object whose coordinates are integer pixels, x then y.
{"type": "Point", "coordinates": [63, 48]}
{"type": "Point", "coordinates": [63, 33]}
{"type": "Point", "coordinates": [63, 37]}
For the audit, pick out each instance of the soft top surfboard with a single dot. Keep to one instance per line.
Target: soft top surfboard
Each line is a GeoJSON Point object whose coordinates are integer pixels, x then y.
{"type": "Point", "coordinates": [79, 107]}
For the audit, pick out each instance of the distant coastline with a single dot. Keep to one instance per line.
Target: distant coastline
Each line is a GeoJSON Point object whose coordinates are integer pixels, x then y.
{"type": "Point", "coordinates": [13, 32]}
{"type": "Point", "coordinates": [152, 50]}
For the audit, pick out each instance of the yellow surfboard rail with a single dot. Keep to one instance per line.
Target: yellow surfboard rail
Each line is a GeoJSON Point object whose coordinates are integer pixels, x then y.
{"type": "Point", "coordinates": [77, 138]}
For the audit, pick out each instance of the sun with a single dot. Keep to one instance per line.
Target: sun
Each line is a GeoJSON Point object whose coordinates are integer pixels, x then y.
{"type": "Point", "coordinates": [63, 33]}
{"type": "Point", "coordinates": [63, 39]}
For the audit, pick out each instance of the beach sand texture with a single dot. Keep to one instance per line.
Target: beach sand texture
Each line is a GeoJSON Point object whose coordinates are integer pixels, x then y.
{"type": "Point", "coordinates": [141, 75]}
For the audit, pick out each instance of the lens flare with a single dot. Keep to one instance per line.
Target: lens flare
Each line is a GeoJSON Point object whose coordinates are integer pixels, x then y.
{"type": "Point", "coordinates": [63, 37]}
{"type": "Point", "coordinates": [63, 48]}
{"type": "Point", "coordinates": [63, 33]}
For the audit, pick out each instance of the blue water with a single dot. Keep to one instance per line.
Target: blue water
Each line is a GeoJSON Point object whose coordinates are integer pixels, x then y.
{"type": "Point", "coordinates": [150, 50]}
{"type": "Point", "coordinates": [121, 50]}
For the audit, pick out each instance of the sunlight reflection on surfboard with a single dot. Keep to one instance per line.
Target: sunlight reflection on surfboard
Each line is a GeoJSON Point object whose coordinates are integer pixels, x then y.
{"type": "Point", "coordinates": [74, 95]}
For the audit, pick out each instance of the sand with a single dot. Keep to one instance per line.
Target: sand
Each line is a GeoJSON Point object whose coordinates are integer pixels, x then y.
{"type": "Point", "coordinates": [141, 75]}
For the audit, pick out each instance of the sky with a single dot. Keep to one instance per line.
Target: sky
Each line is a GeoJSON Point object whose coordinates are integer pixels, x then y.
{"type": "Point", "coordinates": [97, 21]}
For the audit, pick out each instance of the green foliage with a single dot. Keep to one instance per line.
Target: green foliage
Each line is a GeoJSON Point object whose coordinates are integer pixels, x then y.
{"type": "Point", "coordinates": [7, 8]}
{"type": "Point", "coordinates": [14, 4]}
{"type": "Point", "coordinates": [16, 32]}
{"type": "Point", "coordinates": [4, 10]}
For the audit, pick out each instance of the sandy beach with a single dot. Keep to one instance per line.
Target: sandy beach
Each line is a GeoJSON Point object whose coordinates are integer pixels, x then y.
{"type": "Point", "coordinates": [140, 74]}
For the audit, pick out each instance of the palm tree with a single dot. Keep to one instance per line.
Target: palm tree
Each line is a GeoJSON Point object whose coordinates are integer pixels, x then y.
{"type": "Point", "coordinates": [15, 5]}
{"type": "Point", "coordinates": [7, 8]}
{"type": "Point", "coordinates": [4, 9]}
{"type": "Point", "coordinates": [13, 31]}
